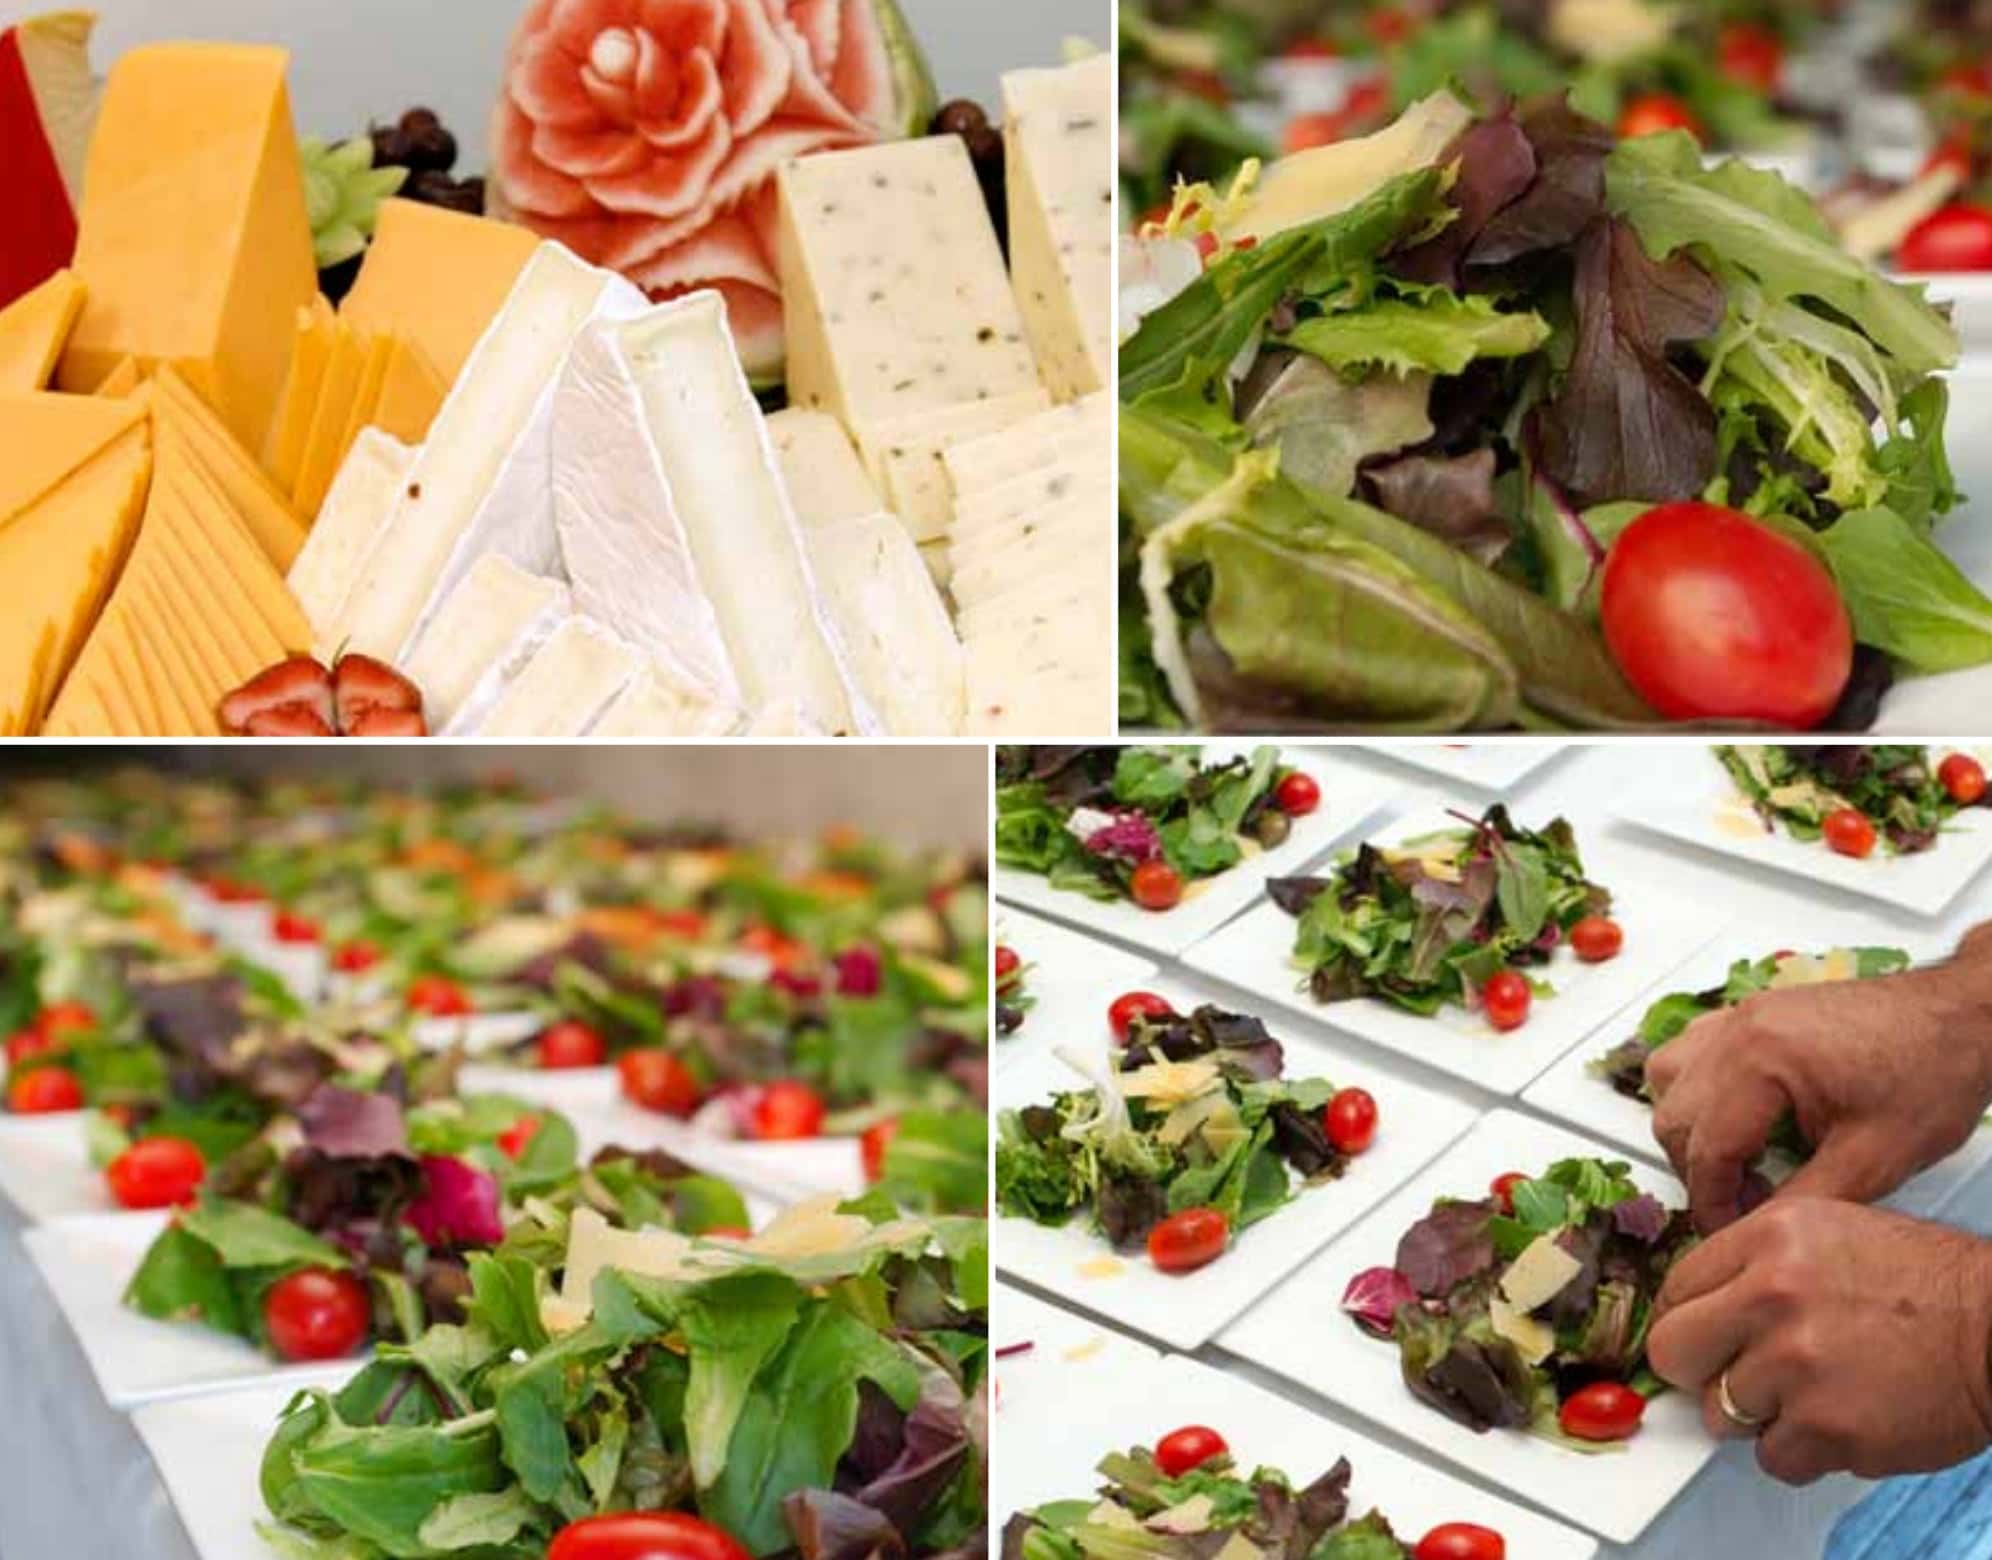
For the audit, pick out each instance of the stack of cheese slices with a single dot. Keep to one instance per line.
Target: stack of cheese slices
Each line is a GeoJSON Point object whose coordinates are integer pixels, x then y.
{"type": "Point", "coordinates": [554, 505]}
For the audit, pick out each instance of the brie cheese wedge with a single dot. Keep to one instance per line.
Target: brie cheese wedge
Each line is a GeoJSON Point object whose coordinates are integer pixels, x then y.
{"type": "Point", "coordinates": [566, 687]}
{"type": "Point", "coordinates": [895, 626]}
{"type": "Point", "coordinates": [652, 706]}
{"type": "Point", "coordinates": [487, 629]}
{"type": "Point", "coordinates": [355, 509]}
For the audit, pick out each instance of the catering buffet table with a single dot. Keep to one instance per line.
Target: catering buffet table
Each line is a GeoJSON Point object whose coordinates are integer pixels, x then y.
{"type": "Point", "coordinates": [1728, 1508]}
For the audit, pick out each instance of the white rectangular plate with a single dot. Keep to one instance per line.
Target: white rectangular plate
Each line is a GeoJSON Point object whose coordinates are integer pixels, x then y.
{"type": "Point", "coordinates": [1078, 1266]}
{"type": "Point", "coordinates": [1255, 954]}
{"type": "Point", "coordinates": [1350, 795]}
{"type": "Point", "coordinates": [1704, 809]}
{"type": "Point", "coordinates": [1069, 978]}
{"type": "Point", "coordinates": [1300, 1334]}
{"type": "Point", "coordinates": [1488, 767]}
{"type": "Point", "coordinates": [1052, 1442]}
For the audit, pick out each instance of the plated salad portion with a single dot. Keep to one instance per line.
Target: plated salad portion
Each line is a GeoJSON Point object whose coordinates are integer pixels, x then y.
{"type": "Point", "coordinates": [1191, 1135]}
{"type": "Point", "coordinates": [1495, 420]}
{"type": "Point", "coordinates": [1142, 824]}
{"type": "Point", "coordinates": [1528, 1308]}
{"type": "Point", "coordinates": [1856, 797]}
{"type": "Point", "coordinates": [1461, 917]}
{"type": "Point", "coordinates": [1187, 1499]}
{"type": "Point", "coordinates": [819, 1390]}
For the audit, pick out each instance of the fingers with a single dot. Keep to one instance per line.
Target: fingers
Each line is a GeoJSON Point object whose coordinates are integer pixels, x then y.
{"type": "Point", "coordinates": [1747, 1396]}
{"type": "Point", "coordinates": [1726, 1136]}
{"type": "Point", "coordinates": [1793, 1455]}
{"type": "Point", "coordinates": [1691, 1344]}
{"type": "Point", "coordinates": [1706, 1269]}
{"type": "Point", "coordinates": [1854, 1164]}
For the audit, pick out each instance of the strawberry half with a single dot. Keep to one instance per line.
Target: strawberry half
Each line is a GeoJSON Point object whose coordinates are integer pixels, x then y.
{"type": "Point", "coordinates": [288, 720]}
{"type": "Point", "coordinates": [373, 721]}
{"type": "Point", "coordinates": [361, 685]}
{"type": "Point", "coordinates": [300, 681]}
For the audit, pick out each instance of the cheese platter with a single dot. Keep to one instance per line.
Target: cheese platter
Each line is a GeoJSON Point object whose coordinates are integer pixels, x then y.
{"type": "Point", "coordinates": [659, 428]}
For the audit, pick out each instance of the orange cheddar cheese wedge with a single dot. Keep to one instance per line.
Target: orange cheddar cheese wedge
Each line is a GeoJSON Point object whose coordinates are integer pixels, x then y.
{"type": "Point", "coordinates": [34, 329]}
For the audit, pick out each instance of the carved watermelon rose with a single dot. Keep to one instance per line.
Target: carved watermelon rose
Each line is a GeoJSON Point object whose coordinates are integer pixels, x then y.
{"type": "Point", "coordinates": [645, 134]}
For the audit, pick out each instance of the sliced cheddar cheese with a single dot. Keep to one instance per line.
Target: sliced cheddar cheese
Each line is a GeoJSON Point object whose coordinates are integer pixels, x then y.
{"type": "Point", "coordinates": [264, 510]}
{"type": "Point", "coordinates": [311, 352]}
{"type": "Point", "coordinates": [323, 450]}
{"type": "Point", "coordinates": [122, 380]}
{"type": "Point", "coordinates": [366, 400]}
{"type": "Point", "coordinates": [34, 328]}
{"type": "Point", "coordinates": [46, 437]}
{"type": "Point", "coordinates": [411, 395]}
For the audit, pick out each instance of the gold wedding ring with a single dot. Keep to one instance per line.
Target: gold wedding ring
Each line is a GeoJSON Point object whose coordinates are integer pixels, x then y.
{"type": "Point", "coordinates": [1735, 1415]}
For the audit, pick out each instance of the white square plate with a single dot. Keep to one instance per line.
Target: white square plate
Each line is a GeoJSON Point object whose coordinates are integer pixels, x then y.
{"type": "Point", "coordinates": [1052, 1443]}
{"type": "Point", "coordinates": [1491, 768]}
{"type": "Point", "coordinates": [1047, 1356]}
{"type": "Point", "coordinates": [1077, 1265]}
{"type": "Point", "coordinates": [1707, 811]}
{"type": "Point", "coordinates": [1255, 953]}
{"type": "Point", "coordinates": [1350, 795]}
{"type": "Point", "coordinates": [1300, 1334]}
{"type": "Point", "coordinates": [1069, 978]}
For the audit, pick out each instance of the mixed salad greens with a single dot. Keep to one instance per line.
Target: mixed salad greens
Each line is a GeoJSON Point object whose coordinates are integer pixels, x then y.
{"type": "Point", "coordinates": [1421, 432]}
{"type": "Point", "coordinates": [1454, 917]}
{"type": "Point", "coordinates": [1013, 996]}
{"type": "Point", "coordinates": [1187, 1499]}
{"type": "Point", "coordinates": [1191, 1136]}
{"type": "Point", "coordinates": [1528, 1308]}
{"type": "Point", "coordinates": [1851, 796]}
{"type": "Point", "coordinates": [819, 1390]}
{"type": "Point", "coordinates": [1141, 823]}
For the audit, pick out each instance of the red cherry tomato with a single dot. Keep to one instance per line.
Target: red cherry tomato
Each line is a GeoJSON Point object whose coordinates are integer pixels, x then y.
{"type": "Point", "coordinates": [1007, 966]}
{"type": "Point", "coordinates": [1130, 1005]}
{"type": "Point", "coordinates": [659, 1081]}
{"type": "Point", "coordinates": [66, 1018]}
{"type": "Point", "coordinates": [1957, 238]}
{"type": "Point", "coordinates": [1297, 795]}
{"type": "Point", "coordinates": [1185, 1241]}
{"type": "Point", "coordinates": [1597, 938]}
{"type": "Point", "coordinates": [645, 1535]}
{"type": "Point", "coordinates": [689, 925]}
{"type": "Point", "coordinates": [571, 1043]}
{"type": "Point", "coordinates": [1656, 113]}
{"type": "Point", "coordinates": [1190, 1447]}
{"type": "Point", "coordinates": [1971, 80]}
{"type": "Point", "coordinates": [44, 1092]}
{"type": "Point", "coordinates": [24, 1043]}
{"type": "Point", "coordinates": [1311, 49]}
{"type": "Point", "coordinates": [1751, 53]}
{"type": "Point", "coordinates": [1849, 832]}
{"type": "Point", "coordinates": [1389, 25]}
{"type": "Point", "coordinates": [1156, 886]}
{"type": "Point", "coordinates": [1367, 100]}
{"type": "Point", "coordinates": [356, 957]}
{"type": "Point", "coordinates": [1714, 617]}
{"type": "Point", "coordinates": [226, 891]}
{"type": "Point", "coordinates": [1206, 84]}
{"type": "Point", "coordinates": [1506, 996]}
{"type": "Point", "coordinates": [1964, 778]}
{"type": "Point", "coordinates": [289, 927]}
{"type": "Point", "coordinates": [787, 1110]}
{"type": "Point", "coordinates": [778, 950]}
{"type": "Point", "coordinates": [317, 1314]}
{"type": "Point", "coordinates": [1603, 1411]}
{"type": "Point", "coordinates": [161, 1172]}
{"type": "Point", "coordinates": [876, 1140]}
{"type": "Point", "coordinates": [518, 1137]}
{"type": "Point", "coordinates": [1503, 1189]}
{"type": "Point", "coordinates": [1350, 1120]}
{"type": "Point", "coordinates": [1461, 1541]}
{"type": "Point", "coordinates": [439, 997]}
{"type": "Point", "coordinates": [1955, 155]}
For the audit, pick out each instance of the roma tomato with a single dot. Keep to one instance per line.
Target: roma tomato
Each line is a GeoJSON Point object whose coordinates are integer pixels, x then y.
{"type": "Point", "coordinates": [1712, 616]}
{"type": "Point", "coordinates": [569, 1044]}
{"type": "Point", "coordinates": [1656, 113]}
{"type": "Point", "coordinates": [645, 1535]}
{"type": "Point", "coordinates": [1964, 778]}
{"type": "Point", "coordinates": [1190, 1447]}
{"type": "Point", "coordinates": [66, 1018]}
{"type": "Point", "coordinates": [1603, 1411]}
{"type": "Point", "coordinates": [356, 957]}
{"type": "Point", "coordinates": [1156, 886]}
{"type": "Point", "coordinates": [659, 1081]}
{"type": "Point", "coordinates": [788, 1110]}
{"type": "Point", "coordinates": [290, 927]}
{"type": "Point", "coordinates": [1130, 1005]}
{"type": "Point", "coordinates": [1850, 832]}
{"type": "Point", "coordinates": [1957, 238]}
{"type": "Point", "coordinates": [1503, 1189]}
{"type": "Point", "coordinates": [518, 1137]}
{"type": "Point", "coordinates": [1461, 1541]}
{"type": "Point", "coordinates": [1350, 1120]}
{"type": "Point", "coordinates": [1185, 1241]}
{"type": "Point", "coordinates": [1750, 53]}
{"type": "Point", "coordinates": [1507, 996]}
{"type": "Point", "coordinates": [44, 1091]}
{"type": "Point", "coordinates": [1297, 795]}
{"type": "Point", "coordinates": [872, 1146]}
{"type": "Point", "coordinates": [439, 997]}
{"type": "Point", "coordinates": [1597, 938]}
{"type": "Point", "coordinates": [161, 1172]}
{"type": "Point", "coordinates": [317, 1314]}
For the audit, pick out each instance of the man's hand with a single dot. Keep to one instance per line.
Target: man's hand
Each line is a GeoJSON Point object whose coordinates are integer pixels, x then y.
{"type": "Point", "coordinates": [1859, 1337]}
{"type": "Point", "coordinates": [1885, 1077]}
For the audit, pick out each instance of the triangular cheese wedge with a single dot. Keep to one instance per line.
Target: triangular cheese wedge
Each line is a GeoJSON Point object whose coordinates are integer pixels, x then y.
{"type": "Point", "coordinates": [265, 511]}
{"type": "Point", "coordinates": [380, 352]}
{"type": "Point", "coordinates": [361, 498]}
{"type": "Point", "coordinates": [283, 450]}
{"type": "Point", "coordinates": [44, 437]}
{"type": "Point", "coordinates": [60, 558]}
{"type": "Point", "coordinates": [324, 448]}
{"type": "Point", "coordinates": [34, 328]}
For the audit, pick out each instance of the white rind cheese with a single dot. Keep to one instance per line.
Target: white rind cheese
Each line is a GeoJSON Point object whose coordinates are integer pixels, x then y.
{"type": "Point", "coordinates": [895, 626]}
{"type": "Point", "coordinates": [1058, 135]}
{"type": "Point", "coordinates": [651, 706]}
{"type": "Point", "coordinates": [483, 482]}
{"type": "Point", "coordinates": [493, 621]}
{"type": "Point", "coordinates": [565, 689]}
{"type": "Point", "coordinates": [355, 509]}
{"type": "Point", "coordinates": [826, 479]}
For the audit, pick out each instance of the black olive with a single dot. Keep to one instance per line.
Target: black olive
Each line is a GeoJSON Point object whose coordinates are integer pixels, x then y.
{"type": "Point", "coordinates": [1273, 828]}
{"type": "Point", "coordinates": [961, 117]}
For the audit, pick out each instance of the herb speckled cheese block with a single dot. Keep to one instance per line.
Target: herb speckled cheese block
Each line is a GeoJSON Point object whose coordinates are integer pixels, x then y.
{"type": "Point", "coordinates": [896, 296]}
{"type": "Point", "coordinates": [894, 624]}
{"type": "Point", "coordinates": [907, 456]}
{"type": "Point", "coordinates": [1058, 135]}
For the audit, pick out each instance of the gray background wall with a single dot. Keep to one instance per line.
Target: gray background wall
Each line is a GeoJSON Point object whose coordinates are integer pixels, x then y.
{"type": "Point", "coordinates": [360, 58]}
